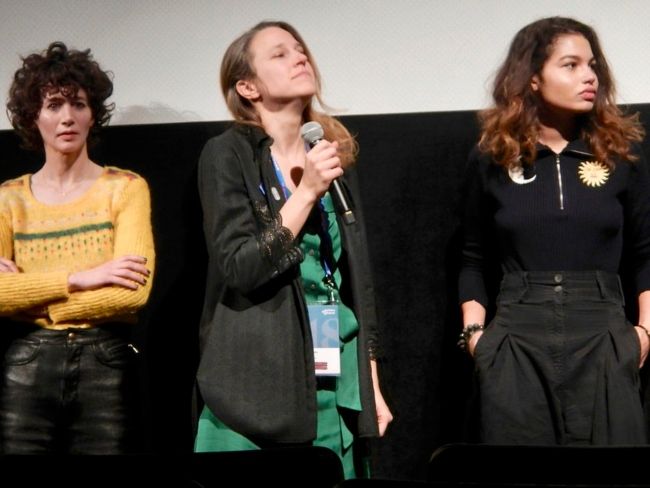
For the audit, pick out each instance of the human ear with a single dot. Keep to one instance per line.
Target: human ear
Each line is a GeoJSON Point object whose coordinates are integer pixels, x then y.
{"type": "Point", "coordinates": [247, 89]}
{"type": "Point", "coordinates": [534, 83]}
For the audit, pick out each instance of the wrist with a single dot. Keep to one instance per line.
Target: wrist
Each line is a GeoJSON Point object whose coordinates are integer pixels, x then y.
{"type": "Point", "coordinates": [73, 282]}
{"type": "Point", "coordinates": [644, 329]}
{"type": "Point", "coordinates": [307, 195]}
{"type": "Point", "coordinates": [468, 331]}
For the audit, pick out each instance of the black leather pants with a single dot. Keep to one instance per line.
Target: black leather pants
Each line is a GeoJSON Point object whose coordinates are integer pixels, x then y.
{"type": "Point", "coordinates": [66, 391]}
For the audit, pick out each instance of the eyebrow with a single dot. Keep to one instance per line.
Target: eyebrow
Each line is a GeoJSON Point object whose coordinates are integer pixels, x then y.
{"type": "Point", "coordinates": [575, 56]}
{"type": "Point", "coordinates": [58, 96]}
{"type": "Point", "coordinates": [283, 45]}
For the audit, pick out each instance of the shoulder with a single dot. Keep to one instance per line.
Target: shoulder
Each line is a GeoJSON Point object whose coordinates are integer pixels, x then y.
{"type": "Point", "coordinates": [240, 144]}
{"type": "Point", "coordinates": [638, 164]}
{"type": "Point", "coordinates": [479, 161]}
{"type": "Point", "coordinates": [14, 184]}
{"type": "Point", "coordinates": [224, 147]}
{"type": "Point", "coordinates": [234, 139]}
{"type": "Point", "coordinates": [478, 156]}
{"type": "Point", "coordinates": [119, 180]}
{"type": "Point", "coordinates": [122, 176]}
{"type": "Point", "coordinates": [637, 151]}
{"type": "Point", "coordinates": [114, 172]}
{"type": "Point", "coordinates": [14, 188]}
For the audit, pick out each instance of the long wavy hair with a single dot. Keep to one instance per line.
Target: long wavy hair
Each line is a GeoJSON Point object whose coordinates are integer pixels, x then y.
{"type": "Point", "coordinates": [509, 129]}
{"type": "Point", "coordinates": [237, 65]}
{"type": "Point", "coordinates": [57, 69]}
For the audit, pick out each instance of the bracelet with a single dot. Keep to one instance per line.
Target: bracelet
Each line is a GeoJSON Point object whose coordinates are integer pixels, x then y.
{"type": "Point", "coordinates": [468, 331]}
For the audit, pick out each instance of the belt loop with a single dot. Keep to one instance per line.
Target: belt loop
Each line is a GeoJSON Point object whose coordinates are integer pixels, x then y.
{"type": "Point", "coordinates": [524, 285]}
{"type": "Point", "coordinates": [607, 293]}
{"type": "Point", "coordinates": [602, 286]}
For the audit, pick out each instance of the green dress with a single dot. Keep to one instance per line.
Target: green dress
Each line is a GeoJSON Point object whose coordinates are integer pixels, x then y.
{"type": "Point", "coordinates": [333, 394]}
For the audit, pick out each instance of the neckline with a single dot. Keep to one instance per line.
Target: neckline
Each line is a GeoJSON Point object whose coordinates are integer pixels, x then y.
{"type": "Point", "coordinates": [27, 180]}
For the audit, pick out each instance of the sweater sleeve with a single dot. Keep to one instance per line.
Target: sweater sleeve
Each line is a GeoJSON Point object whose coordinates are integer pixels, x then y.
{"type": "Point", "coordinates": [471, 285]}
{"type": "Point", "coordinates": [132, 235]}
{"type": "Point", "coordinates": [23, 291]}
{"type": "Point", "coordinates": [637, 215]}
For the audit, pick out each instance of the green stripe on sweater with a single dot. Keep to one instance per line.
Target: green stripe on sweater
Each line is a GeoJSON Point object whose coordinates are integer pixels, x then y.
{"type": "Point", "coordinates": [20, 236]}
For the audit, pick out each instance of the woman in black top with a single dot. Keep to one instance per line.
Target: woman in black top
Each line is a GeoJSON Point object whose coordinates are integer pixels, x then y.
{"type": "Point", "coordinates": [557, 189]}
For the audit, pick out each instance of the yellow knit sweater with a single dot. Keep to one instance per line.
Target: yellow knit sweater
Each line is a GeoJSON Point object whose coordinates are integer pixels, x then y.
{"type": "Point", "coordinates": [48, 242]}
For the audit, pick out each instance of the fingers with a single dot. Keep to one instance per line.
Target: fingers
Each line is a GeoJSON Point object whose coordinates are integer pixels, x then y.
{"type": "Point", "coordinates": [133, 268]}
{"type": "Point", "coordinates": [473, 341]}
{"type": "Point", "coordinates": [130, 271]}
{"type": "Point", "coordinates": [324, 156]}
{"type": "Point", "coordinates": [644, 344]}
{"type": "Point", "coordinates": [384, 415]}
{"type": "Point", "coordinates": [8, 266]}
{"type": "Point", "coordinates": [131, 284]}
{"type": "Point", "coordinates": [131, 258]}
{"type": "Point", "coordinates": [383, 420]}
{"type": "Point", "coordinates": [322, 166]}
{"type": "Point", "coordinates": [127, 271]}
{"type": "Point", "coordinates": [383, 425]}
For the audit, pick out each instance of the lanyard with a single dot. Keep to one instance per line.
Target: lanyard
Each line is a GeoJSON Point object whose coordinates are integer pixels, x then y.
{"type": "Point", "coordinates": [326, 248]}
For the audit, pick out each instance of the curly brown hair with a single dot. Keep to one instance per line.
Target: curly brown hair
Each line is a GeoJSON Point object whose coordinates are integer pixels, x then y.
{"type": "Point", "coordinates": [237, 65]}
{"type": "Point", "coordinates": [509, 129]}
{"type": "Point", "coordinates": [57, 69]}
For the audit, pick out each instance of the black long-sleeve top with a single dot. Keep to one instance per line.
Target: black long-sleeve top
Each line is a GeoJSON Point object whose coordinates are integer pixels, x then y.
{"type": "Point", "coordinates": [565, 212]}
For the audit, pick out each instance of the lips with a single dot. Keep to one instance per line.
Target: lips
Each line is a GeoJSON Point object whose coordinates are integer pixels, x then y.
{"type": "Point", "coordinates": [588, 95]}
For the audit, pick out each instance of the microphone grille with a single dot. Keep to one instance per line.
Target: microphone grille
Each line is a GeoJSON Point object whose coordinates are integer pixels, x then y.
{"type": "Point", "coordinates": [312, 132]}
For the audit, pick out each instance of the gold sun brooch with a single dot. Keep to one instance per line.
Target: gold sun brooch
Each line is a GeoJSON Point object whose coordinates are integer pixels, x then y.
{"type": "Point", "coordinates": [593, 173]}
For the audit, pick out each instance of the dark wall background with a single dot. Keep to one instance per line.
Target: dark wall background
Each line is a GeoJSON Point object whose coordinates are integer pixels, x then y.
{"type": "Point", "coordinates": [411, 168]}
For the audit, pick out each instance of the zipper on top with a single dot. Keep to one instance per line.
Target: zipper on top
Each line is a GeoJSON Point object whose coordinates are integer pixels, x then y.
{"type": "Point", "coordinates": [559, 181]}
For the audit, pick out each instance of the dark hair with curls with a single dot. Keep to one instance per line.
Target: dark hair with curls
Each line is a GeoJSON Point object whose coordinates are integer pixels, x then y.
{"type": "Point", "coordinates": [57, 69]}
{"type": "Point", "coordinates": [509, 130]}
{"type": "Point", "coordinates": [237, 65]}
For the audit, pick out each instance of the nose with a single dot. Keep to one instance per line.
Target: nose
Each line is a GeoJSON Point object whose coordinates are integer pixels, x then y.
{"type": "Point", "coordinates": [590, 76]}
{"type": "Point", "coordinates": [301, 58]}
{"type": "Point", "coordinates": [66, 114]}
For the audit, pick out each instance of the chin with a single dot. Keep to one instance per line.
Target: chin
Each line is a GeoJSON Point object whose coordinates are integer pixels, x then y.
{"type": "Point", "coordinates": [585, 110]}
{"type": "Point", "coordinates": [69, 149]}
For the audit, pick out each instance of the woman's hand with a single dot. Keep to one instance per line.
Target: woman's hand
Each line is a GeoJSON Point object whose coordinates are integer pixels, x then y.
{"type": "Point", "coordinates": [471, 345]}
{"type": "Point", "coordinates": [322, 165]}
{"type": "Point", "coordinates": [384, 415]}
{"type": "Point", "coordinates": [8, 266]}
{"type": "Point", "coordinates": [127, 271]}
{"type": "Point", "coordinates": [644, 341]}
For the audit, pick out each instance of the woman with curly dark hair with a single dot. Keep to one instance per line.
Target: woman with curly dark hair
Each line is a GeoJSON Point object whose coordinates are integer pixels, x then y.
{"type": "Point", "coordinates": [76, 257]}
{"type": "Point", "coordinates": [557, 189]}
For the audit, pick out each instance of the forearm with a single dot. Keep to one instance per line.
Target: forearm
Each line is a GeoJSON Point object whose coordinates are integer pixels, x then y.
{"type": "Point", "coordinates": [296, 210]}
{"type": "Point", "coordinates": [104, 303]}
{"type": "Point", "coordinates": [473, 313]}
{"type": "Point", "coordinates": [23, 291]}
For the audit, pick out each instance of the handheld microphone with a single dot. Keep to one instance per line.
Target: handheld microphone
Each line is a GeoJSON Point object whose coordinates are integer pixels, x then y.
{"type": "Point", "coordinates": [312, 132]}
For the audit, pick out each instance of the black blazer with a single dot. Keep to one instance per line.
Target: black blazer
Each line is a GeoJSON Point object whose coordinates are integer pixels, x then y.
{"type": "Point", "coordinates": [256, 370]}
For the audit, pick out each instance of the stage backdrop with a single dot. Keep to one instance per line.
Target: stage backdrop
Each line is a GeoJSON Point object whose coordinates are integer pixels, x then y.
{"type": "Point", "coordinates": [411, 168]}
